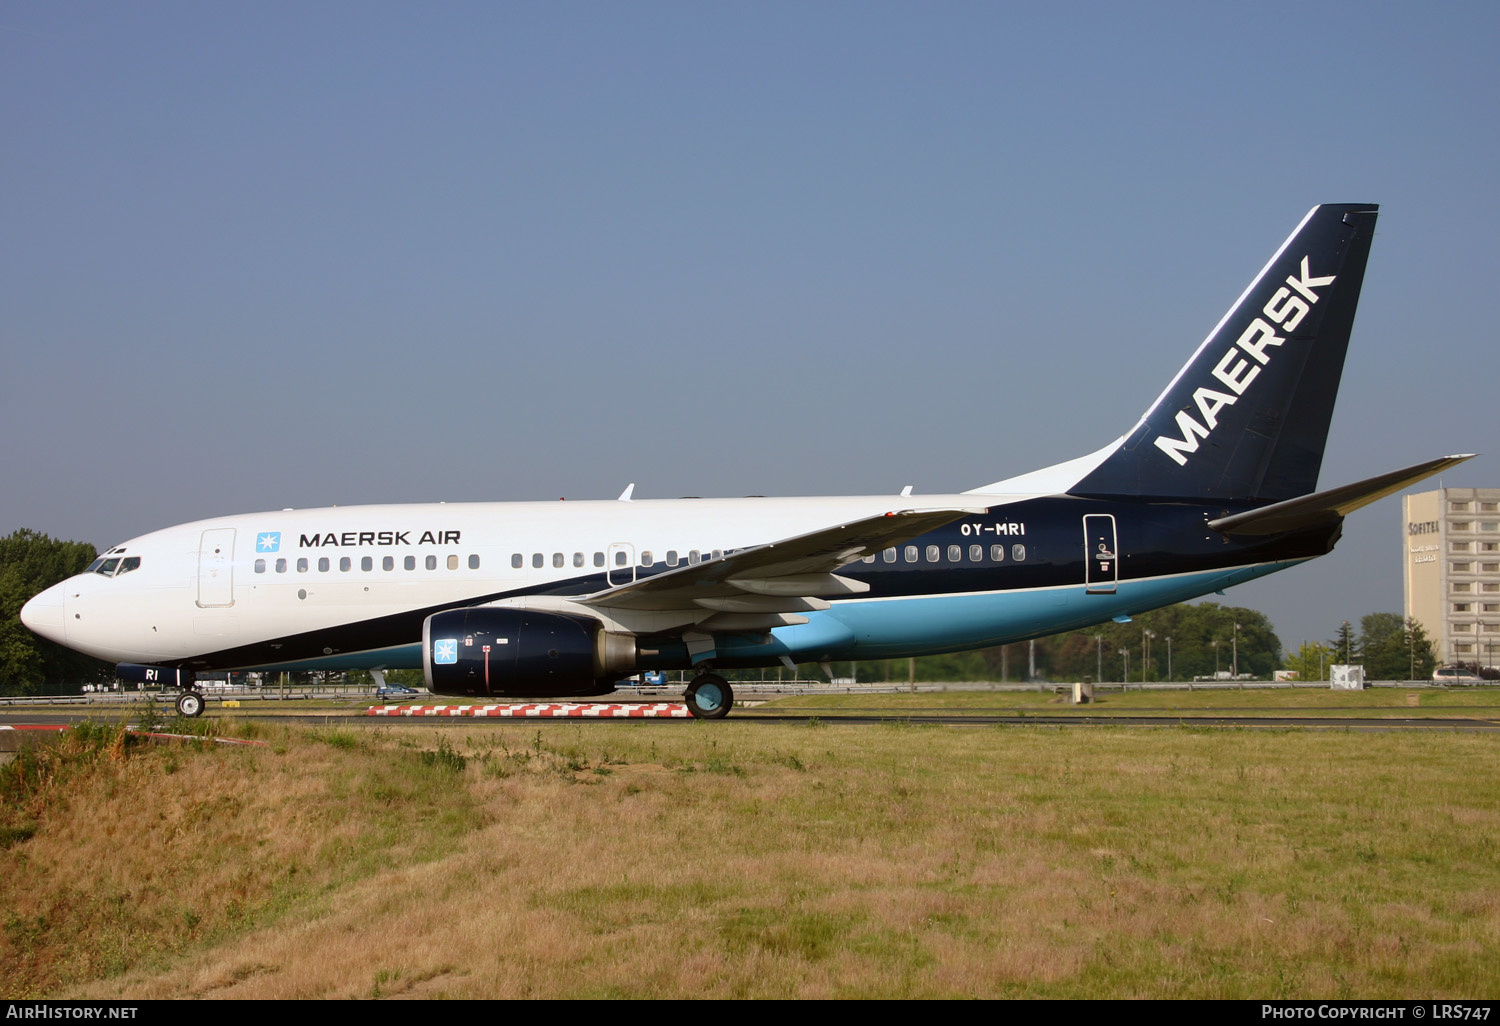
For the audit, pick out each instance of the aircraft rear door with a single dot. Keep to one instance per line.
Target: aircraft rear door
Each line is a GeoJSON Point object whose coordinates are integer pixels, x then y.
{"type": "Point", "coordinates": [216, 568]}
{"type": "Point", "coordinates": [1100, 554]}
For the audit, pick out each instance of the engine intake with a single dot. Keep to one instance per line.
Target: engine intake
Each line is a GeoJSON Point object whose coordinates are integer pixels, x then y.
{"type": "Point", "coordinates": [499, 652]}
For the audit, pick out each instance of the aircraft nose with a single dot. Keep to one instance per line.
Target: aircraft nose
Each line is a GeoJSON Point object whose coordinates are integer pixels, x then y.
{"type": "Point", "coordinates": [44, 614]}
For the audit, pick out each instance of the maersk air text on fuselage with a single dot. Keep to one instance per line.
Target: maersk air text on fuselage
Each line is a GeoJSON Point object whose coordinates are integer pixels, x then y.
{"type": "Point", "coordinates": [1215, 485]}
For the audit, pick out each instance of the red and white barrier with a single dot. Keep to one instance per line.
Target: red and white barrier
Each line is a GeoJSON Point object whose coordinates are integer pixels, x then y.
{"type": "Point", "coordinates": [545, 710]}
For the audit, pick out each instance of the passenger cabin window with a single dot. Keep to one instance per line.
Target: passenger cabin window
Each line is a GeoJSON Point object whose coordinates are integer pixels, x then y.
{"type": "Point", "coordinates": [473, 562]}
{"type": "Point", "coordinates": [516, 560]}
{"type": "Point", "coordinates": [322, 564]}
{"type": "Point", "coordinates": [997, 553]}
{"type": "Point", "coordinates": [911, 553]}
{"type": "Point", "coordinates": [345, 564]}
{"type": "Point", "coordinates": [932, 553]}
{"type": "Point", "coordinates": [889, 555]}
{"type": "Point", "coordinates": [646, 557]}
{"type": "Point", "coordinates": [280, 566]}
{"type": "Point", "coordinates": [1018, 552]}
{"type": "Point", "coordinates": [694, 557]}
{"type": "Point", "coordinates": [671, 557]}
{"type": "Point", "coordinates": [557, 559]}
{"type": "Point", "coordinates": [409, 563]}
{"type": "Point", "coordinates": [598, 559]}
{"type": "Point", "coordinates": [452, 562]}
{"type": "Point", "coordinates": [388, 563]}
{"type": "Point", "coordinates": [620, 558]}
{"type": "Point", "coordinates": [367, 563]}
{"type": "Point", "coordinates": [536, 560]}
{"type": "Point", "coordinates": [431, 563]}
{"type": "Point", "coordinates": [302, 565]}
{"type": "Point", "coordinates": [260, 566]}
{"type": "Point", "coordinates": [578, 559]}
{"type": "Point", "coordinates": [976, 553]}
{"type": "Point", "coordinates": [955, 553]}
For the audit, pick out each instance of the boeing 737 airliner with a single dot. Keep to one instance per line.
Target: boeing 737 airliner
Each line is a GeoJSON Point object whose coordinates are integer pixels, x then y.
{"type": "Point", "coordinates": [1214, 486]}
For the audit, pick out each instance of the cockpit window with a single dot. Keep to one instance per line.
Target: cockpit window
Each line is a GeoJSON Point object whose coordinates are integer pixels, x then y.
{"type": "Point", "coordinates": [113, 566]}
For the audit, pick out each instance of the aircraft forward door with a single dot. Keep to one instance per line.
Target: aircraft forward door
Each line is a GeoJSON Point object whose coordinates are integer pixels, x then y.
{"type": "Point", "coordinates": [216, 568]}
{"type": "Point", "coordinates": [1101, 560]}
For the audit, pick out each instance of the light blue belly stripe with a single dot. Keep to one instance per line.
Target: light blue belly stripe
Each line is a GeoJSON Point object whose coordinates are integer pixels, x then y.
{"type": "Point", "coordinates": [879, 629]}
{"type": "Point", "coordinates": [920, 625]}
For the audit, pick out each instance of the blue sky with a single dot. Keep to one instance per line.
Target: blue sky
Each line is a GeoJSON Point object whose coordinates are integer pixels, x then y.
{"type": "Point", "coordinates": [271, 255]}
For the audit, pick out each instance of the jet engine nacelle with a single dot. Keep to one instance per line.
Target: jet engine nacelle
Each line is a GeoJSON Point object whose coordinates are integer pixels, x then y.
{"type": "Point", "coordinates": [498, 652]}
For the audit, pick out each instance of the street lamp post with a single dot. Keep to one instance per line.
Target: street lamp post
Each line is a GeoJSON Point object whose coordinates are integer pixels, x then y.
{"type": "Point", "coordinates": [1236, 652]}
{"type": "Point", "coordinates": [1170, 678]}
{"type": "Point", "coordinates": [1146, 636]}
{"type": "Point", "coordinates": [1215, 644]}
{"type": "Point", "coordinates": [1098, 658]}
{"type": "Point", "coordinates": [1125, 659]}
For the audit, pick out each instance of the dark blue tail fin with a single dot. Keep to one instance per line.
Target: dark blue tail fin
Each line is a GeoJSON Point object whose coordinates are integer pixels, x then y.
{"type": "Point", "coordinates": [1247, 418]}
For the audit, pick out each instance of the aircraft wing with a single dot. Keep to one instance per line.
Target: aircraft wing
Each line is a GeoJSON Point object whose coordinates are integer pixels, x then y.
{"type": "Point", "coordinates": [766, 585]}
{"type": "Point", "coordinates": [1328, 506]}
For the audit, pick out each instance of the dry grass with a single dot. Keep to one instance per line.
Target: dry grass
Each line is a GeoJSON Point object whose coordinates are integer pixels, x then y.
{"type": "Point", "coordinates": [1475, 703]}
{"type": "Point", "coordinates": [743, 859]}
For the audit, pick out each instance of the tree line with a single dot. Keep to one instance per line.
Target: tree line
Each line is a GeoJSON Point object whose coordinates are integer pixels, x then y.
{"type": "Point", "coordinates": [31, 562]}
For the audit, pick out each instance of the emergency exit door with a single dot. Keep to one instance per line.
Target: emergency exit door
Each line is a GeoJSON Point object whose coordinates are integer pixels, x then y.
{"type": "Point", "coordinates": [1101, 560]}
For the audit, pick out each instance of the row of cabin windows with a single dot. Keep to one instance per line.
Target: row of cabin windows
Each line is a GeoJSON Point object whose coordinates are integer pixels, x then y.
{"type": "Point", "coordinates": [911, 554]}
{"type": "Point", "coordinates": [621, 558]}
{"type": "Point", "coordinates": [346, 563]}
{"type": "Point", "coordinates": [934, 554]}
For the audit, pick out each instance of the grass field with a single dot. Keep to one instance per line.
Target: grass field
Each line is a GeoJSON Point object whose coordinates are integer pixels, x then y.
{"type": "Point", "coordinates": [739, 859]}
{"type": "Point", "coordinates": [1477, 703]}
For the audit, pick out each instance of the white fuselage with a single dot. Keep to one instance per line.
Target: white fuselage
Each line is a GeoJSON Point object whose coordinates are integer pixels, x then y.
{"type": "Point", "coordinates": [220, 584]}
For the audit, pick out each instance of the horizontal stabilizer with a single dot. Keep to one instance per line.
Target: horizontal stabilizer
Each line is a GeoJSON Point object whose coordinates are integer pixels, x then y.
{"type": "Point", "coordinates": [1331, 505]}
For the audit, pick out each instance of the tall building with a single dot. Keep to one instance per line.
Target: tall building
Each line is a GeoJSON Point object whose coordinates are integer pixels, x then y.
{"type": "Point", "coordinates": [1452, 571]}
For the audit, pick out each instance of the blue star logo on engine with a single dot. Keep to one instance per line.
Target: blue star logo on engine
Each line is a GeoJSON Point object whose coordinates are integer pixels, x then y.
{"type": "Point", "coordinates": [268, 541]}
{"type": "Point", "coordinates": [445, 650]}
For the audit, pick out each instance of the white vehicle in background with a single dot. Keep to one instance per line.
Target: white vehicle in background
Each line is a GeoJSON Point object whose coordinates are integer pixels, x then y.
{"type": "Point", "coordinates": [1454, 675]}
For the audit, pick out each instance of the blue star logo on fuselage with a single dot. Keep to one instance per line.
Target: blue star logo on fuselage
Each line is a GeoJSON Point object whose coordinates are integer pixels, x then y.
{"type": "Point", "coordinates": [268, 541]}
{"type": "Point", "coordinates": [445, 650]}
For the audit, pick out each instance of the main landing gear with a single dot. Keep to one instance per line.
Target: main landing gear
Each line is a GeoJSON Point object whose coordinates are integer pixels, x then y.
{"type": "Point", "coordinates": [709, 697]}
{"type": "Point", "coordinates": [189, 704]}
